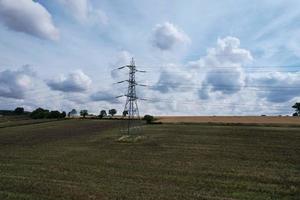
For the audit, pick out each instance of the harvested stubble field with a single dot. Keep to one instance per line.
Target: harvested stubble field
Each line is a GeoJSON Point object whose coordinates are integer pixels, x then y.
{"type": "Point", "coordinates": [255, 120]}
{"type": "Point", "coordinates": [16, 120]}
{"type": "Point", "coordinates": [81, 159]}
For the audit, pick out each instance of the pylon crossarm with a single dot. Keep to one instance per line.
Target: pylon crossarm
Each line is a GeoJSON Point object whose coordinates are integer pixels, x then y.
{"type": "Point", "coordinates": [141, 85]}
{"type": "Point", "coordinates": [142, 71]}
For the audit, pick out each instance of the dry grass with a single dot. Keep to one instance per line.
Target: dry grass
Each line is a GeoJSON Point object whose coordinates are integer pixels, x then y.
{"type": "Point", "coordinates": [231, 119]}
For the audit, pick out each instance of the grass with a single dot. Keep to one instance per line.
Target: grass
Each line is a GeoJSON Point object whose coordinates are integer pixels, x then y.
{"type": "Point", "coordinates": [20, 120]}
{"type": "Point", "coordinates": [83, 159]}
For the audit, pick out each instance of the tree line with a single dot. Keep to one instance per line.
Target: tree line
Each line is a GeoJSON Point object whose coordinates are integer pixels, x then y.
{"type": "Point", "coordinates": [85, 113]}
{"type": "Point", "coordinates": [41, 113]}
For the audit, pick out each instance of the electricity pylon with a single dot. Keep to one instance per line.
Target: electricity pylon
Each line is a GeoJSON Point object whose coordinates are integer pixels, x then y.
{"type": "Point", "coordinates": [131, 106]}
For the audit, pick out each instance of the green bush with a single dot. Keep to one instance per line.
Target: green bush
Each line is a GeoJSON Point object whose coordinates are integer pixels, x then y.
{"type": "Point", "coordinates": [148, 118]}
{"type": "Point", "coordinates": [41, 113]}
{"type": "Point", "coordinates": [19, 110]}
{"type": "Point", "coordinates": [102, 114]}
{"type": "Point", "coordinates": [112, 112]}
{"type": "Point", "coordinates": [63, 114]}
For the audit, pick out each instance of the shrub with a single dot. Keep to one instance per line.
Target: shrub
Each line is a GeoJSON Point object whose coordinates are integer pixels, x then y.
{"type": "Point", "coordinates": [54, 114]}
{"type": "Point", "coordinates": [19, 111]}
{"type": "Point", "coordinates": [84, 113]}
{"type": "Point", "coordinates": [112, 112]}
{"type": "Point", "coordinates": [102, 114]}
{"type": "Point", "coordinates": [148, 118]}
{"type": "Point", "coordinates": [40, 113]}
{"type": "Point", "coordinates": [125, 113]}
{"type": "Point", "coordinates": [63, 114]}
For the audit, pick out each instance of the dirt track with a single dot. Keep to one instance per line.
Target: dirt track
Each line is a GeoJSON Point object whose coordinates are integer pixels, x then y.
{"type": "Point", "coordinates": [231, 119]}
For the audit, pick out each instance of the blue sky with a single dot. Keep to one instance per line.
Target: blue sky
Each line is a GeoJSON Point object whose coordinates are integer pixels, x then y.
{"type": "Point", "coordinates": [201, 56]}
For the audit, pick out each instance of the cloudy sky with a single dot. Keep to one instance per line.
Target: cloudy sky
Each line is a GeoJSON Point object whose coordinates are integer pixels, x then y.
{"type": "Point", "coordinates": [202, 57]}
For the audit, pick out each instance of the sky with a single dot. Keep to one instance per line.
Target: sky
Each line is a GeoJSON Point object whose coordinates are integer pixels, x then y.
{"type": "Point", "coordinates": [202, 57]}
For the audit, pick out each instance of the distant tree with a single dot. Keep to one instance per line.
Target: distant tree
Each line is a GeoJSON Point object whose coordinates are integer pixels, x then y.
{"type": "Point", "coordinates": [148, 118]}
{"type": "Point", "coordinates": [54, 114]}
{"type": "Point", "coordinates": [102, 114]}
{"type": "Point", "coordinates": [297, 108]}
{"type": "Point", "coordinates": [112, 112]}
{"type": "Point", "coordinates": [295, 115]}
{"type": "Point", "coordinates": [125, 113]}
{"type": "Point", "coordinates": [84, 113]}
{"type": "Point", "coordinates": [73, 112]}
{"type": "Point", "coordinates": [39, 113]}
{"type": "Point", "coordinates": [19, 111]}
{"type": "Point", "coordinates": [63, 114]}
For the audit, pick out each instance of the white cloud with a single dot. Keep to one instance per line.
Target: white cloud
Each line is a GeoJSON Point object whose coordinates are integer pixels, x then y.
{"type": "Point", "coordinates": [105, 95]}
{"type": "Point", "coordinates": [221, 70]}
{"type": "Point", "coordinates": [84, 12]}
{"type": "Point", "coordinates": [277, 87]}
{"type": "Point", "coordinates": [227, 81]}
{"type": "Point", "coordinates": [219, 84]}
{"type": "Point", "coordinates": [76, 81]}
{"type": "Point", "coordinates": [167, 35]}
{"type": "Point", "coordinates": [97, 16]}
{"type": "Point", "coordinates": [228, 51]}
{"type": "Point", "coordinates": [173, 78]}
{"type": "Point", "coordinates": [122, 58]}
{"type": "Point", "coordinates": [217, 77]}
{"type": "Point", "coordinates": [78, 8]}
{"type": "Point", "coordinates": [14, 84]}
{"type": "Point", "coordinates": [28, 17]}
{"type": "Point", "coordinates": [224, 67]}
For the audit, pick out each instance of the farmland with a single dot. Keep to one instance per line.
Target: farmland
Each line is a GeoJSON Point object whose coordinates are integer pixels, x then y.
{"type": "Point", "coordinates": [243, 120]}
{"type": "Point", "coordinates": [82, 159]}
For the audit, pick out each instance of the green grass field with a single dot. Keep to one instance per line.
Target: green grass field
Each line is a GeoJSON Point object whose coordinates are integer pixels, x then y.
{"type": "Point", "coordinates": [81, 159]}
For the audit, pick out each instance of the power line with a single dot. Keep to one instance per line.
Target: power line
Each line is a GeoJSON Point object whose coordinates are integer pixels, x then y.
{"type": "Point", "coordinates": [262, 88]}
{"type": "Point", "coordinates": [208, 106]}
{"type": "Point", "coordinates": [223, 86]}
{"type": "Point", "coordinates": [223, 66]}
{"type": "Point", "coordinates": [189, 86]}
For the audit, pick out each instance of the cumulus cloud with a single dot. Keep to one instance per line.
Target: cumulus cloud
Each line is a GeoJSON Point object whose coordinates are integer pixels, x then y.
{"type": "Point", "coordinates": [224, 67]}
{"type": "Point", "coordinates": [226, 81]}
{"type": "Point", "coordinates": [76, 81]}
{"type": "Point", "coordinates": [172, 78]}
{"type": "Point", "coordinates": [228, 50]}
{"type": "Point", "coordinates": [221, 70]}
{"type": "Point", "coordinates": [14, 84]}
{"type": "Point", "coordinates": [123, 58]}
{"type": "Point", "coordinates": [105, 95]}
{"type": "Point", "coordinates": [29, 17]}
{"type": "Point", "coordinates": [277, 87]}
{"type": "Point", "coordinates": [220, 79]}
{"type": "Point", "coordinates": [167, 35]}
{"type": "Point", "coordinates": [84, 12]}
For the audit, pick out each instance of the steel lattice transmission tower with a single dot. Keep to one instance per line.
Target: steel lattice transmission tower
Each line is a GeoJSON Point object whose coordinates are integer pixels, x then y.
{"type": "Point", "coordinates": [131, 105]}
